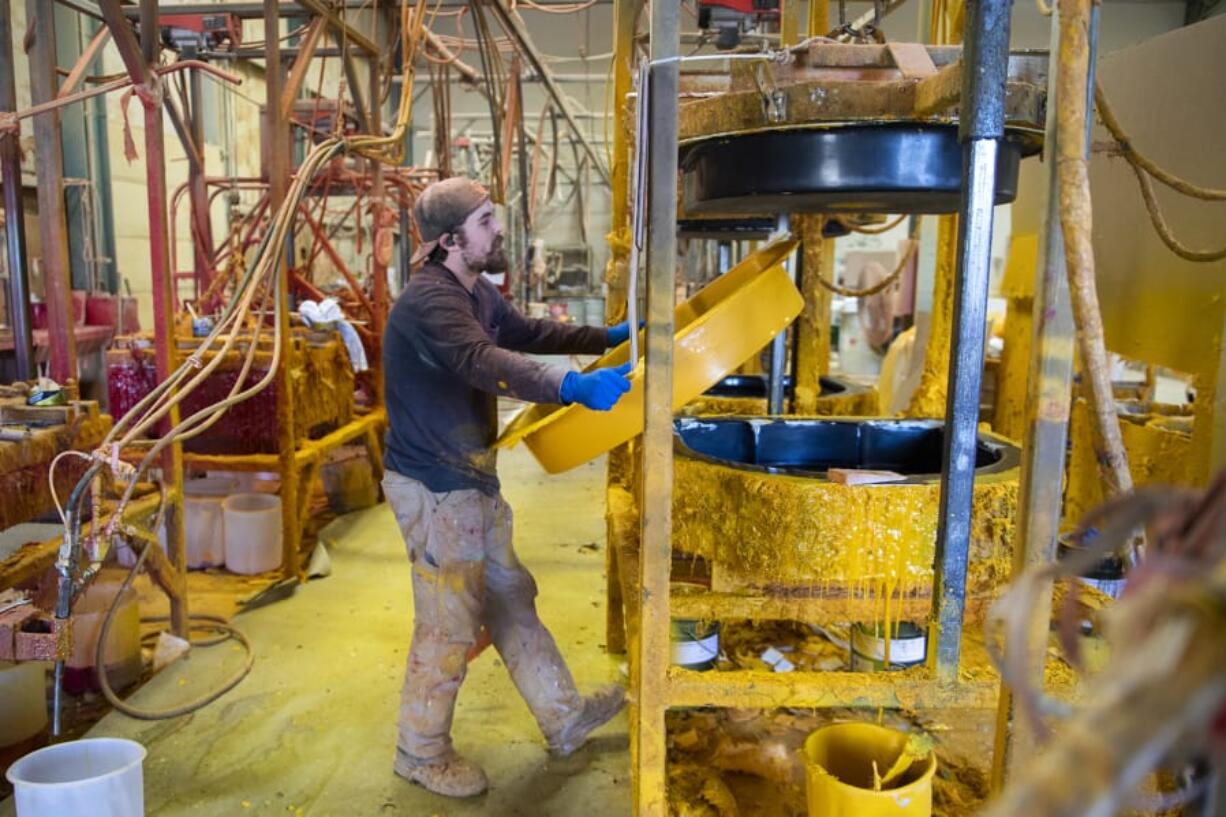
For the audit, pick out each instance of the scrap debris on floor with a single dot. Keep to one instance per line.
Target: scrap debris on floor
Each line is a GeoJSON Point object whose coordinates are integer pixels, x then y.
{"type": "Point", "coordinates": [742, 762]}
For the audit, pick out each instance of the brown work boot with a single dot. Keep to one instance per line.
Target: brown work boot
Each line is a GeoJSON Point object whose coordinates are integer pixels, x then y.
{"type": "Point", "coordinates": [598, 709]}
{"type": "Point", "coordinates": [449, 775]}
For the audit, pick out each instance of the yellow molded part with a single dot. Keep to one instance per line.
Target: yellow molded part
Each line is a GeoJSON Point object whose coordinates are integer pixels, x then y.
{"type": "Point", "coordinates": [839, 763]}
{"type": "Point", "coordinates": [729, 320]}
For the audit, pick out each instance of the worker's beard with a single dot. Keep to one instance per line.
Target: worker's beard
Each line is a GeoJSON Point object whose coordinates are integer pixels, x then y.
{"type": "Point", "coordinates": [495, 260]}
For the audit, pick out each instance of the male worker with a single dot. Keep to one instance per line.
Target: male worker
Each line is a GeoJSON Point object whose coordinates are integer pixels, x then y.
{"type": "Point", "coordinates": [450, 349]}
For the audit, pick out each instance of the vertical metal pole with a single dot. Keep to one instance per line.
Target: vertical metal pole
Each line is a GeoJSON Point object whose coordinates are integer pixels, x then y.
{"type": "Point", "coordinates": [52, 227]}
{"type": "Point", "coordinates": [163, 311]}
{"type": "Point", "coordinates": [625, 18]}
{"type": "Point", "coordinates": [981, 128]}
{"type": "Point", "coordinates": [202, 234]}
{"type": "Point", "coordinates": [406, 251]}
{"type": "Point", "coordinates": [278, 184]}
{"type": "Point", "coordinates": [14, 211]}
{"type": "Point", "coordinates": [779, 346]}
{"type": "Point", "coordinates": [1049, 393]}
{"type": "Point", "coordinates": [652, 650]}
{"type": "Point", "coordinates": [378, 284]}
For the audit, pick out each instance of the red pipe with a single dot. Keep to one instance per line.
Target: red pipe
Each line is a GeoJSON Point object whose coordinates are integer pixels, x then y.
{"type": "Point", "coordinates": [338, 262]}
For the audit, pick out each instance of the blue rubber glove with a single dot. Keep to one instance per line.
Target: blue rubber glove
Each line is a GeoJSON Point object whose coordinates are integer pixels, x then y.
{"type": "Point", "coordinates": [619, 333]}
{"type": "Point", "coordinates": [599, 390]}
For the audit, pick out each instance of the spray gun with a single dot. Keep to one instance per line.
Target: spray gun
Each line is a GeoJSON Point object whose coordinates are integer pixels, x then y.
{"type": "Point", "coordinates": [69, 586]}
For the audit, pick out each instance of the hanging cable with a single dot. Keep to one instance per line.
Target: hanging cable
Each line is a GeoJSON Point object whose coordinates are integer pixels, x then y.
{"type": "Point", "coordinates": [884, 283]}
{"type": "Point", "coordinates": [1144, 168]}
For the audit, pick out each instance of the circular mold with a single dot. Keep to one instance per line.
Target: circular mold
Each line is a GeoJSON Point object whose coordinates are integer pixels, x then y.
{"type": "Point", "coordinates": [854, 169]}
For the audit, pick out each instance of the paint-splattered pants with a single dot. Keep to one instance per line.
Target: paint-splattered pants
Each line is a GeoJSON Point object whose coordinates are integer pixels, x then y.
{"type": "Point", "coordinates": [465, 575]}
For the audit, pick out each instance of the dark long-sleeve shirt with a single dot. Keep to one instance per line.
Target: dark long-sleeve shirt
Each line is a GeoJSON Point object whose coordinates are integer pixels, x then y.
{"type": "Point", "coordinates": [447, 355]}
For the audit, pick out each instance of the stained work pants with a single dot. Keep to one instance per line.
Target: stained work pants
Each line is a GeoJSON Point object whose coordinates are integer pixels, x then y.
{"type": "Point", "coordinates": [465, 575]}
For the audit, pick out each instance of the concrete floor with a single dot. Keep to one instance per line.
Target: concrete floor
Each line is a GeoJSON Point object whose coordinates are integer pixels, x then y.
{"type": "Point", "coordinates": [312, 730]}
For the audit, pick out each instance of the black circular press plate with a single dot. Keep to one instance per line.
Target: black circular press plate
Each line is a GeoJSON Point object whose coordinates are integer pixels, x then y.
{"type": "Point", "coordinates": [862, 169]}
{"type": "Point", "coordinates": [744, 228]}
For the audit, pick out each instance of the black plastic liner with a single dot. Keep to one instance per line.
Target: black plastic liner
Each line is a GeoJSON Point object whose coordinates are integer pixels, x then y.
{"type": "Point", "coordinates": [810, 447]}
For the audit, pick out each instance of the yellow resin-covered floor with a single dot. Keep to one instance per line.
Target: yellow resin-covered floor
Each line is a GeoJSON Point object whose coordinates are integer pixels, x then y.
{"type": "Point", "coordinates": [312, 730]}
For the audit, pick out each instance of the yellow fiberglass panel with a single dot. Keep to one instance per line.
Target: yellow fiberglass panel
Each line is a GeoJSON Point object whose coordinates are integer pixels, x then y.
{"type": "Point", "coordinates": [717, 330]}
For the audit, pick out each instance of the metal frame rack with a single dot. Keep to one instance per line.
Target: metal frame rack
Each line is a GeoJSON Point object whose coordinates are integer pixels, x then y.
{"type": "Point", "coordinates": [297, 460]}
{"type": "Point", "coordinates": [645, 570]}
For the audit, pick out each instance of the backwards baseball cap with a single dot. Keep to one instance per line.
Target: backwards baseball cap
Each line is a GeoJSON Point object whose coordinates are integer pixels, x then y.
{"type": "Point", "coordinates": [441, 208]}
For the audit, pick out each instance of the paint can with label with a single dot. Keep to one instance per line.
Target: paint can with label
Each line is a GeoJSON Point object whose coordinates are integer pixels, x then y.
{"type": "Point", "coordinates": [908, 647]}
{"type": "Point", "coordinates": [695, 643]}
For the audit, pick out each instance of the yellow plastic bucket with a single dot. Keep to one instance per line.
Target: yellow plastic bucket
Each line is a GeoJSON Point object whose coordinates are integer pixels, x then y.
{"type": "Point", "coordinates": [839, 773]}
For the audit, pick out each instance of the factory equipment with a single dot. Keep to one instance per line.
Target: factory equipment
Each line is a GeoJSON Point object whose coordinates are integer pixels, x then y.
{"type": "Point", "coordinates": [803, 130]}
{"type": "Point", "coordinates": [773, 506]}
{"type": "Point", "coordinates": [808, 135]}
{"type": "Point", "coordinates": [733, 19]}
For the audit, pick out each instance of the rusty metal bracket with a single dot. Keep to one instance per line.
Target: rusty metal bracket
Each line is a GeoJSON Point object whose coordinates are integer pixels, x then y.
{"type": "Point", "coordinates": [774, 101]}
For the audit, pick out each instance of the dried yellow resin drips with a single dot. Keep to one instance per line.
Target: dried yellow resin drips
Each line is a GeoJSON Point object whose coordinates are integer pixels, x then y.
{"type": "Point", "coordinates": [774, 530]}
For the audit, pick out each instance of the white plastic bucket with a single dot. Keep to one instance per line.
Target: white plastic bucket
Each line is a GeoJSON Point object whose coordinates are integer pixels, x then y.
{"type": "Point", "coordinates": [101, 777]}
{"type": "Point", "coordinates": [121, 657]}
{"type": "Point", "coordinates": [23, 701]}
{"type": "Point", "coordinates": [203, 520]}
{"type": "Point", "coordinates": [252, 532]}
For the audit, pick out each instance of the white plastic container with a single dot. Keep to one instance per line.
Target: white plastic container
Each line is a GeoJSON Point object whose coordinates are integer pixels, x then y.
{"type": "Point", "coordinates": [121, 656]}
{"type": "Point", "coordinates": [23, 701]}
{"type": "Point", "coordinates": [252, 532]}
{"type": "Point", "coordinates": [101, 777]}
{"type": "Point", "coordinates": [203, 520]}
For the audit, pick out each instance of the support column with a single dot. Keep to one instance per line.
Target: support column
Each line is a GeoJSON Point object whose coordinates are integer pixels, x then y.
{"type": "Point", "coordinates": [813, 325]}
{"type": "Point", "coordinates": [137, 58]}
{"type": "Point", "coordinates": [1048, 402]}
{"type": "Point", "coordinates": [14, 210]}
{"type": "Point", "coordinates": [378, 284]}
{"type": "Point", "coordinates": [980, 129]}
{"type": "Point", "coordinates": [650, 662]}
{"type": "Point", "coordinates": [625, 12]}
{"type": "Point", "coordinates": [277, 128]}
{"type": "Point", "coordinates": [52, 226]}
{"type": "Point", "coordinates": [779, 344]}
{"type": "Point", "coordinates": [620, 466]}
